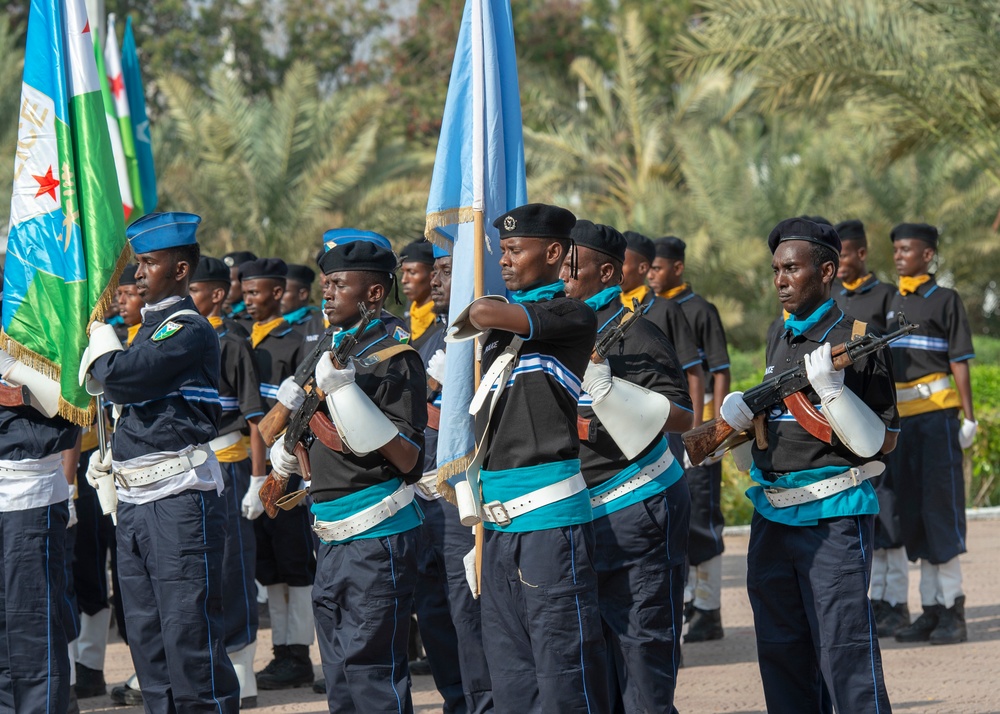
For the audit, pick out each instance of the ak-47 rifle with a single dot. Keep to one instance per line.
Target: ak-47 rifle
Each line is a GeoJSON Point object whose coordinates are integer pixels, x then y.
{"type": "Point", "coordinates": [14, 396]}
{"type": "Point", "coordinates": [716, 436]}
{"type": "Point", "coordinates": [613, 335]}
{"type": "Point", "coordinates": [297, 436]}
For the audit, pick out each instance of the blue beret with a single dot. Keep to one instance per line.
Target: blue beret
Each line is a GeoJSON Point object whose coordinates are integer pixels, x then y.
{"type": "Point", "coordinates": [603, 239]}
{"type": "Point", "coordinates": [210, 270]}
{"type": "Point", "coordinates": [358, 255]}
{"type": "Point", "coordinates": [921, 231]}
{"type": "Point", "coordinates": [638, 243]}
{"type": "Point", "coordinates": [535, 220]}
{"type": "Point", "coordinates": [128, 275]}
{"type": "Point", "coordinates": [343, 236]}
{"type": "Point", "coordinates": [440, 252]}
{"type": "Point", "coordinates": [160, 231]}
{"type": "Point", "coordinates": [264, 268]}
{"type": "Point", "coordinates": [804, 229]}
{"type": "Point", "coordinates": [671, 248]}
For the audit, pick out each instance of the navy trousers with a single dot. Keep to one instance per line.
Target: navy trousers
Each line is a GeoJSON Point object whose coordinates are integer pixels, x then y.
{"type": "Point", "coordinates": [816, 642]}
{"type": "Point", "coordinates": [238, 561]}
{"type": "Point", "coordinates": [170, 566]}
{"type": "Point", "coordinates": [448, 616]}
{"type": "Point", "coordinates": [362, 599]}
{"type": "Point", "coordinates": [34, 654]}
{"type": "Point", "coordinates": [705, 484]}
{"type": "Point", "coordinates": [541, 622]}
{"type": "Point", "coordinates": [285, 545]}
{"type": "Point", "coordinates": [640, 564]}
{"type": "Point", "coordinates": [926, 478]}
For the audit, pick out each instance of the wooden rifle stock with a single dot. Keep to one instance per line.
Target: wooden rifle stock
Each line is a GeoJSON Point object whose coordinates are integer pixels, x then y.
{"type": "Point", "coordinates": [271, 491]}
{"type": "Point", "coordinates": [14, 396]}
{"type": "Point", "coordinates": [704, 440]}
{"type": "Point", "coordinates": [274, 422]}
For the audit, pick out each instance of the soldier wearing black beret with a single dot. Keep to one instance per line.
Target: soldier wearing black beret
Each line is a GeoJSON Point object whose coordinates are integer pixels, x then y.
{"type": "Point", "coordinates": [305, 318]}
{"type": "Point", "coordinates": [809, 557]}
{"type": "Point", "coordinates": [234, 308]}
{"type": "Point", "coordinates": [415, 263]}
{"type": "Point", "coordinates": [538, 570]}
{"type": "Point", "coordinates": [925, 472]}
{"type": "Point", "coordinates": [637, 489]}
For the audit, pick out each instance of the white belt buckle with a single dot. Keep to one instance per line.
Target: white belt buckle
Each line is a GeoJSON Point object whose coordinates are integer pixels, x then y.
{"type": "Point", "coordinates": [924, 390]}
{"type": "Point", "coordinates": [390, 503]}
{"type": "Point", "coordinates": [855, 472]}
{"type": "Point", "coordinates": [120, 479]}
{"type": "Point", "coordinates": [498, 514]}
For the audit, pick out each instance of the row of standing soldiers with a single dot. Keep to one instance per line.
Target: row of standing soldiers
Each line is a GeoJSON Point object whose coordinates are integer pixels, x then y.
{"type": "Point", "coordinates": [600, 534]}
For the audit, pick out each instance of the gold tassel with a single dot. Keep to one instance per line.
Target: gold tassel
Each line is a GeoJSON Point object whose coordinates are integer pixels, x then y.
{"type": "Point", "coordinates": [452, 468]}
{"type": "Point", "coordinates": [441, 219]}
{"type": "Point", "coordinates": [109, 292]}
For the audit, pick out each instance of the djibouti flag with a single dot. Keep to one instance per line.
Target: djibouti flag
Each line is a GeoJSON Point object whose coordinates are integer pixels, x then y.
{"type": "Point", "coordinates": [66, 245]}
{"type": "Point", "coordinates": [119, 94]}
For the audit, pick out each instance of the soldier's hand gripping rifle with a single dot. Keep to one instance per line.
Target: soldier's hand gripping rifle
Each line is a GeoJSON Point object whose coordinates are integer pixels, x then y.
{"type": "Point", "coordinates": [716, 436]}
{"type": "Point", "coordinates": [298, 436]}
{"type": "Point", "coordinates": [615, 334]}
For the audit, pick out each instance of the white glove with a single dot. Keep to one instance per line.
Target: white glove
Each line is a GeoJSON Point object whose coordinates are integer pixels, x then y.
{"type": "Point", "coordinates": [281, 461]}
{"type": "Point", "coordinates": [597, 380]}
{"type": "Point", "coordinates": [735, 411]}
{"type": "Point", "coordinates": [6, 362]}
{"type": "Point", "coordinates": [329, 379]}
{"type": "Point", "coordinates": [102, 341]}
{"type": "Point", "coordinates": [291, 395]}
{"type": "Point", "coordinates": [827, 381]}
{"type": "Point", "coordinates": [98, 469]}
{"type": "Point", "coordinates": [435, 366]}
{"type": "Point", "coordinates": [967, 433]}
{"type": "Point", "coordinates": [251, 507]}
{"type": "Point", "coordinates": [72, 506]}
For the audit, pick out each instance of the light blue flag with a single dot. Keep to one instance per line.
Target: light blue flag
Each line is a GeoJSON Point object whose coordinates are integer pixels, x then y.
{"type": "Point", "coordinates": [479, 166]}
{"type": "Point", "coordinates": [140, 123]}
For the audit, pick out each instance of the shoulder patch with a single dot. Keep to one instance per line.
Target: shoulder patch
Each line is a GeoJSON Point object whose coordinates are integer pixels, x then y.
{"type": "Point", "coordinates": [401, 335]}
{"type": "Point", "coordinates": [166, 330]}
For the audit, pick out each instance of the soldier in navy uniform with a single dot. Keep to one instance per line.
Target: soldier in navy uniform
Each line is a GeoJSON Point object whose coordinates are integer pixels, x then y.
{"type": "Point", "coordinates": [448, 616]}
{"type": "Point", "coordinates": [304, 318]}
{"type": "Point", "coordinates": [541, 621]}
{"type": "Point", "coordinates": [641, 504]}
{"type": "Point", "coordinates": [286, 563]}
{"type": "Point", "coordinates": [172, 516]}
{"type": "Point", "coordinates": [416, 261]}
{"type": "Point", "coordinates": [234, 308]}
{"type": "Point", "coordinates": [703, 594]}
{"type": "Point", "coordinates": [925, 472]}
{"type": "Point", "coordinates": [809, 557]}
{"type": "Point", "coordinates": [365, 458]}
{"type": "Point", "coordinates": [36, 621]}
{"type": "Point", "coordinates": [242, 409]}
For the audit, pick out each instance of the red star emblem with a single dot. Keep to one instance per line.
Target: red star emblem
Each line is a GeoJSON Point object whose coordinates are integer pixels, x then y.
{"type": "Point", "coordinates": [86, 28]}
{"type": "Point", "coordinates": [117, 85]}
{"type": "Point", "coordinates": [46, 184]}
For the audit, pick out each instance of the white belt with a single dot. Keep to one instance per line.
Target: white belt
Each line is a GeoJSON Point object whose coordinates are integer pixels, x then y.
{"type": "Point", "coordinates": [367, 519]}
{"type": "Point", "coordinates": [225, 441]}
{"type": "Point", "coordinates": [923, 391]}
{"type": "Point", "coordinates": [427, 487]}
{"type": "Point", "coordinates": [785, 497]}
{"type": "Point", "coordinates": [645, 475]}
{"type": "Point", "coordinates": [145, 475]}
{"type": "Point", "coordinates": [503, 513]}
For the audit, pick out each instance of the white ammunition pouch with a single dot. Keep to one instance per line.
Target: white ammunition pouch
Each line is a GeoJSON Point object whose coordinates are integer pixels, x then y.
{"type": "Point", "coordinates": [44, 390]}
{"type": "Point", "coordinates": [362, 426]}
{"type": "Point", "coordinates": [632, 415]}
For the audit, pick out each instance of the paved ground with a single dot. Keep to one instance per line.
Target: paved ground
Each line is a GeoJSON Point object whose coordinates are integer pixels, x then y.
{"type": "Point", "coordinates": [722, 676]}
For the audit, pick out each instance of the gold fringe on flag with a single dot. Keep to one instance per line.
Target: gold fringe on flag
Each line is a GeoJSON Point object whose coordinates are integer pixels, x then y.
{"type": "Point", "coordinates": [452, 468]}
{"type": "Point", "coordinates": [104, 302]}
{"type": "Point", "coordinates": [451, 217]}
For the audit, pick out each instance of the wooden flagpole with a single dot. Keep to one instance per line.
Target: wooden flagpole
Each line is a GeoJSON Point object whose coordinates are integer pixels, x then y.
{"type": "Point", "coordinates": [478, 288]}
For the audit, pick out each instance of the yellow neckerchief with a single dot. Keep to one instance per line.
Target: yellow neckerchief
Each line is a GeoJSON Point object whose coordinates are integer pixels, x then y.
{"type": "Point", "coordinates": [260, 330]}
{"type": "Point", "coordinates": [233, 454]}
{"type": "Point", "coordinates": [421, 317]}
{"type": "Point", "coordinates": [215, 321]}
{"type": "Point", "coordinates": [909, 283]}
{"type": "Point", "coordinates": [132, 332]}
{"type": "Point", "coordinates": [855, 284]}
{"type": "Point", "coordinates": [785, 315]}
{"type": "Point", "coordinates": [674, 292]}
{"type": "Point", "coordinates": [639, 294]}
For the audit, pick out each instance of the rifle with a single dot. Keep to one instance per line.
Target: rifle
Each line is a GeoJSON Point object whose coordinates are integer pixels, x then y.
{"type": "Point", "coordinates": [276, 420]}
{"type": "Point", "coordinates": [298, 437]}
{"type": "Point", "coordinates": [716, 436]}
{"type": "Point", "coordinates": [614, 335]}
{"type": "Point", "coordinates": [14, 396]}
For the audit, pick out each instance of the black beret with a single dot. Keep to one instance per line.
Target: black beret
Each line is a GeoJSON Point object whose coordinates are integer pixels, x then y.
{"type": "Point", "coordinates": [603, 239]}
{"type": "Point", "coordinates": [128, 275]}
{"type": "Point", "coordinates": [419, 251]}
{"type": "Point", "coordinates": [301, 273]}
{"type": "Point", "coordinates": [210, 270]}
{"type": "Point", "coordinates": [535, 220]}
{"type": "Point", "coordinates": [671, 248]}
{"type": "Point", "coordinates": [358, 255]}
{"type": "Point", "coordinates": [851, 230]}
{"type": "Point", "coordinates": [320, 254]}
{"type": "Point", "coordinates": [921, 231]}
{"type": "Point", "coordinates": [817, 219]}
{"type": "Point", "coordinates": [640, 244]}
{"type": "Point", "coordinates": [238, 257]}
{"type": "Point", "coordinates": [263, 268]}
{"type": "Point", "coordinates": [804, 229]}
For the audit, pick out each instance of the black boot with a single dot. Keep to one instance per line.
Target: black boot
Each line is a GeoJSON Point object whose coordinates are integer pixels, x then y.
{"type": "Point", "coordinates": [951, 628]}
{"type": "Point", "coordinates": [705, 625]}
{"type": "Point", "coordinates": [293, 669]}
{"type": "Point", "coordinates": [280, 654]}
{"type": "Point", "coordinates": [89, 682]}
{"type": "Point", "coordinates": [890, 619]}
{"type": "Point", "coordinates": [319, 686]}
{"type": "Point", "coordinates": [922, 627]}
{"type": "Point", "coordinates": [124, 695]}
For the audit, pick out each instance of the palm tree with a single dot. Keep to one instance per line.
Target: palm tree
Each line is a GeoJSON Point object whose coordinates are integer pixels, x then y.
{"type": "Point", "coordinates": [11, 65]}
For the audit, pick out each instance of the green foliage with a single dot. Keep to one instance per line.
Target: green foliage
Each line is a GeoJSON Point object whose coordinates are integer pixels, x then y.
{"type": "Point", "coordinates": [11, 64]}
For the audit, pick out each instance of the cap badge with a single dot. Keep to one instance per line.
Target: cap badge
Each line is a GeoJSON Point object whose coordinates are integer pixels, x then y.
{"type": "Point", "coordinates": [509, 223]}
